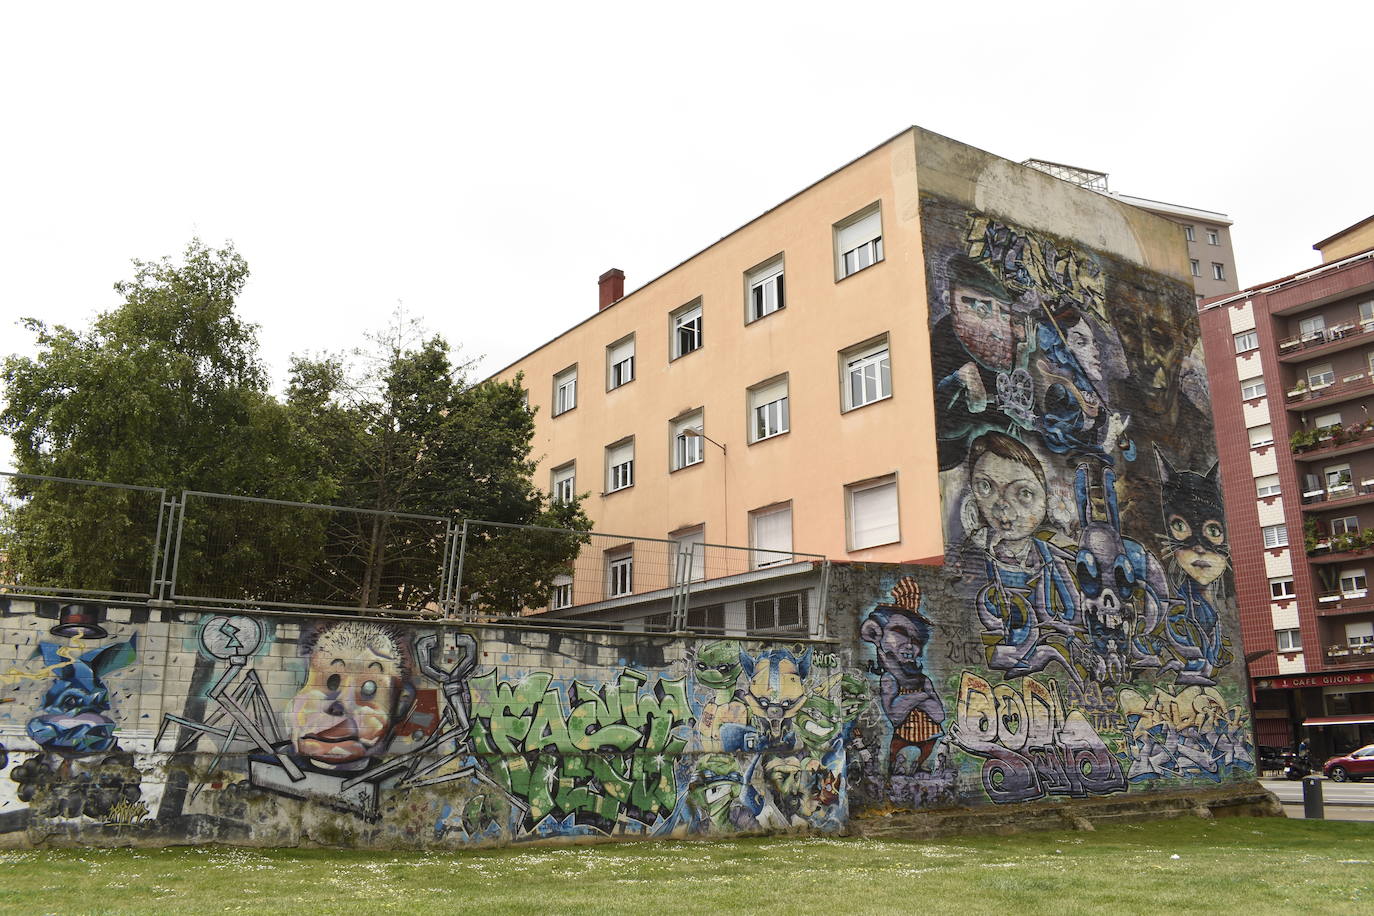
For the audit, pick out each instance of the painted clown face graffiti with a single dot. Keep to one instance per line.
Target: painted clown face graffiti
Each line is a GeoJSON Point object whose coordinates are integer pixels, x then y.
{"type": "Point", "coordinates": [355, 685]}
{"type": "Point", "coordinates": [1010, 497]}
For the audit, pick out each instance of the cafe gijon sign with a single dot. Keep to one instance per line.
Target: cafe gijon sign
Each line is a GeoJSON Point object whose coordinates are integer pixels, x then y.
{"type": "Point", "coordinates": [1316, 680]}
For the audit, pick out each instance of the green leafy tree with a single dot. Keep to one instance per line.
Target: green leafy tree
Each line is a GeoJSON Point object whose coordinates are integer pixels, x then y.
{"type": "Point", "coordinates": [408, 432]}
{"type": "Point", "coordinates": [165, 390]}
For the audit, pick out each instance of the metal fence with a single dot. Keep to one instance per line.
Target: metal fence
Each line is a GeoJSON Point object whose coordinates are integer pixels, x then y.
{"type": "Point", "coordinates": [52, 526]}
{"type": "Point", "coordinates": [609, 571]}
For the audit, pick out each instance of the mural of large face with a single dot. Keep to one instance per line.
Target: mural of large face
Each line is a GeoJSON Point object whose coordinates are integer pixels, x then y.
{"type": "Point", "coordinates": [775, 690]}
{"type": "Point", "coordinates": [983, 324]}
{"type": "Point", "coordinates": [344, 713]}
{"type": "Point", "coordinates": [1194, 520]}
{"type": "Point", "coordinates": [819, 722]}
{"type": "Point", "coordinates": [1082, 343]}
{"type": "Point", "coordinates": [899, 645]}
{"type": "Point", "coordinates": [1155, 349]}
{"type": "Point", "coordinates": [1010, 499]}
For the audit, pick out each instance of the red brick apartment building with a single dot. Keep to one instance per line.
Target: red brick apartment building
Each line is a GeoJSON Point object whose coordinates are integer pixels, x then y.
{"type": "Point", "coordinates": [1291, 368]}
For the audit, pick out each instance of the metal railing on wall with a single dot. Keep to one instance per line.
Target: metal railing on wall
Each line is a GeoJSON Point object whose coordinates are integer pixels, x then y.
{"type": "Point", "coordinates": [85, 539]}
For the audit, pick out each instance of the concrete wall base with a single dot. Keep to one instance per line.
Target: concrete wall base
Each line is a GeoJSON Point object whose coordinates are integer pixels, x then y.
{"type": "Point", "coordinates": [1248, 799]}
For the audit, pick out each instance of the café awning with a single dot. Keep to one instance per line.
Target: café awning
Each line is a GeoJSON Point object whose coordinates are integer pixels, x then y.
{"type": "Point", "coordinates": [1319, 721]}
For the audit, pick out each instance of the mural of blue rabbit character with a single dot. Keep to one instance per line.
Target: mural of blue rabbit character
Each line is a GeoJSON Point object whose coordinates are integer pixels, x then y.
{"type": "Point", "coordinates": [73, 718]}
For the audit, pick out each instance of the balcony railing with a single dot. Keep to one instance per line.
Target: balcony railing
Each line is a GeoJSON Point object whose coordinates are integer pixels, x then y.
{"type": "Point", "coordinates": [1315, 442]}
{"type": "Point", "coordinates": [1346, 386]}
{"type": "Point", "coordinates": [1338, 493]}
{"type": "Point", "coordinates": [1318, 339]}
{"type": "Point", "coordinates": [1349, 655]}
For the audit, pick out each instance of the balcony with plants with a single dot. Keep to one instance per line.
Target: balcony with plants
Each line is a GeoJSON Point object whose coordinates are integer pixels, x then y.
{"type": "Point", "coordinates": [1324, 546]}
{"type": "Point", "coordinates": [1331, 441]}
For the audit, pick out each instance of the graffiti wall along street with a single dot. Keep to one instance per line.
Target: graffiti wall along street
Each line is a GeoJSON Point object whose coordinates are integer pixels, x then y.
{"type": "Point", "coordinates": [1086, 542]}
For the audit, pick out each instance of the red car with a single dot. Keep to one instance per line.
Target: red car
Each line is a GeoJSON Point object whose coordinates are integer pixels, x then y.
{"type": "Point", "coordinates": [1353, 766]}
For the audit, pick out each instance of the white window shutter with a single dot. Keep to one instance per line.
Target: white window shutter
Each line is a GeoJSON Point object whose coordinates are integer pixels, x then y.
{"type": "Point", "coordinates": [862, 230]}
{"type": "Point", "coordinates": [874, 511]}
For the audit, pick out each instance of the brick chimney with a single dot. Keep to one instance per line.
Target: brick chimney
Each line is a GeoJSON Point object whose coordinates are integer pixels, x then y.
{"type": "Point", "coordinates": [612, 284]}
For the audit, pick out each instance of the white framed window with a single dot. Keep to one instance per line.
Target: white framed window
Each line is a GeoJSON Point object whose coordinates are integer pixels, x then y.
{"type": "Point", "coordinates": [620, 363]}
{"type": "Point", "coordinates": [1353, 583]}
{"type": "Point", "coordinates": [1252, 388]}
{"type": "Point", "coordinates": [1367, 311]}
{"type": "Point", "coordinates": [690, 547]}
{"type": "Point", "coordinates": [1268, 485]}
{"type": "Point", "coordinates": [620, 465]}
{"type": "Point", "coordinates": [685, 327]}
{"type": "Point", "coordinates": [1359, 634]}
{"type": "Point", "coordinates": [1196, 266]}
{"type": "Point", "coordinates": [1281, 589]}
{"type": "Point", "coordinates": [1218, 271]}
{"type": "Point", "coordinates": [1369, 360]}
{"type": "Point", "coordinates": [1337, 476]}
{"type": "Point", "coordinates": [871, 511]}
{"type": "Point", "coordinates": [770, 536]}
{"type": "Point", "coordinates": [764, 290]}
{"type": "Point", "coordinates": [689, 447]}
{"type": "Point", "coordinates": [564, 485]}
{"type": "Point", "coordinates": [1321, 375]}
{"type": "Point", "coordinates": [1312, 328]}
{"type": "Point", "coordinates": [768, 412]}
{"type": "Point", "coordinates": [1346, 524]}
{"type": "Point", "coordinates": [565, 390]}
{"type": "Point", "coordinates": [1246, 340]}
{"type": "Point", "coordinates": [1261, 435]}
{"type": "Point", "coordinates": [1289, 640]}
{"type": "Point", "coordinates": [1189, 233]}
{"type": "Point", "coordinates": [1275, 536]}
{"type": "Point", "coordinates": [866, 373]}
{"type": "Point", "coordinates": [1213, 237]}
{"type": "Point", "coordinates": [778, 615]}
{"type": "Point", "coordinates": [858, 241]}
{"type": "Point", "coordinates": [620, 572]}
{"type": "Point", "coordinates": [562, 594]}
{"type": "Point", "coordinates": [1327, 420]}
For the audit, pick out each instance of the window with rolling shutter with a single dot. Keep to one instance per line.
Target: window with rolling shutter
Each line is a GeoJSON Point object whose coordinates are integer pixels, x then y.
{"type": "Point", "coordinates": [620, 466]}
{"type": "Point", "coordinates": [872, 513]}
{"type": "Point", "coordinates": [770, 536]}
{"type": "Point", "coordinates": [858, 241]}
{"type": "Point", "coordinates": [620, 363]}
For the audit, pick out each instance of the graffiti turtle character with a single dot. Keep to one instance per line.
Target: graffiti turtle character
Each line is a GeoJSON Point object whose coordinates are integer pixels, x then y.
{"type": "Point", "coordinates": [820, 723]}
{"type": "Point", "coordinates": [713, 795]}
{"type": "Point", "coordinates": [73, 718]}
{"type": "Point", "coordinates": [717, 667]}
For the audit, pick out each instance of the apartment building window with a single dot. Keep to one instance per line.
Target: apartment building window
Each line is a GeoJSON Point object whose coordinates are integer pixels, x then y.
{"type": "Point", "coordinates": [1261, 435]}
{"type": "Point", "coordinates": [686, 329]}
{"type": "Point", "coordinates": [769, 415]}
{"type": "Point", "coordinates": [1282, 589]}
{"type": "Point", "coordinates": [1327, 420]}
{"type": "Point", "coordinates": [689, 447]}
{"type": "Point", "coordinates": [1247, 341]}
{"type": "Point", "coordinates": [871, 510]}
{"type": "Point", "coordinates": [1321, 375]}
{"type": "Point", "coordinates": [620, 465]}
{"type": "Point", "coordinates": [709, 621]}
{"type": "Point", "coordinates": [1252, 388]}
{"type": "Point", "coordinates": [770, 536]}
{"type": "Point", "coordinates": [1369, 360]}
{"type": "Point", "coordinates": [565, 390]}
{"type": "Point", "coordinates": [1289, 640]}
{"type": "Point", "coordinates": [1353, 583]}
{"type": "Point", "coordinates": [690, 547]}
{"type": "Point", "coordinates": [620, 363]}
{"type": "Point", "coordinates": [620, 569]}
{"type": "Point", "coordinates": [1367, 311]}
{"type": "Point", "coordinates": [764, 288]}
{"type": "Point", "coordinates": [1346, 524]}
{"type": "Point", "coordinates": [867, 372]}
{"type": "Point", "coordinates": [1313, 328]}
{"type": "Point", "coordinates": [1359, 634]}
{"type": "Point", "coordinates": [564, 487]}
{"type": "Point", "coordinates": [1275, 536]}
{"type": "Point", "coordinates": [1337, 477]}
{"type": "Point", "coordinates": [1213, 237]}
{"type": "Point", "coordinates": [562, 595]}
{"type": "Point", "coordinates": [858, 241]}
{"type": "Point", "coordinates": [1268, 485]}
{"type": "Point", "coordinates": [778, 615]}
{"type": "Point", "coordinates": [1196, 266]}
{"type": "Point", "coordinates": [1218, 271]}
{"type": "Point", "coordinates": [1189, 234]}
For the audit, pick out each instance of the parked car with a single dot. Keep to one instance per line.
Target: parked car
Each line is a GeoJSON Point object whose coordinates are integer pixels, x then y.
{"type": "Point", "coordinates": [1353, 766]}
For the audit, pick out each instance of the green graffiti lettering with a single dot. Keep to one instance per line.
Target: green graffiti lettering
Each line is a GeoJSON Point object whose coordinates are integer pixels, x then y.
{"type": "Point", "coordinates": [595, 722]}
{"type": "Point", "coordinates": [500, 712]}
{"type": "Point", "coordinates": [550, 728]}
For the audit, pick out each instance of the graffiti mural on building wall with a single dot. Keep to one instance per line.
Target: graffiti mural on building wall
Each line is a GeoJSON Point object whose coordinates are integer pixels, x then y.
{"type": "Point", "coordinates": [1082, 513]}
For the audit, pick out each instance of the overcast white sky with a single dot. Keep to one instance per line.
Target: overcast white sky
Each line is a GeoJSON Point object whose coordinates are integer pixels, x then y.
{"type": "Point", "coordinates": [484, 163]}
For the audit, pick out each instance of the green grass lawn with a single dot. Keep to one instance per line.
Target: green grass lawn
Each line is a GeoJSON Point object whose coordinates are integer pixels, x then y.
{"type": "Point", "coordinates": [1239, 865]}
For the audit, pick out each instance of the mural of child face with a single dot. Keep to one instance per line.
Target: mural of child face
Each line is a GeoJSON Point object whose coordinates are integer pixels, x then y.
{"type": "Point", "coordinates": [1197, 553]}
{"type": "Point", "coordinates": [343, 715]}
{"type": "Point", "coordinates": [983, 325]}
{"type": "Point", "coordinates": [1009, 497]}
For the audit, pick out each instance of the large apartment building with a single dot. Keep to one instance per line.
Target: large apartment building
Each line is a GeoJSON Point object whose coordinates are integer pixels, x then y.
{"type": "Point", "coordinates": [1291, 366]}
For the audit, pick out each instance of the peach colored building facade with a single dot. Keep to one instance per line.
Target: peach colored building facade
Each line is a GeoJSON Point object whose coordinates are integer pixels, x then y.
{"type": "Point", "coordinates": [832, 451]}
